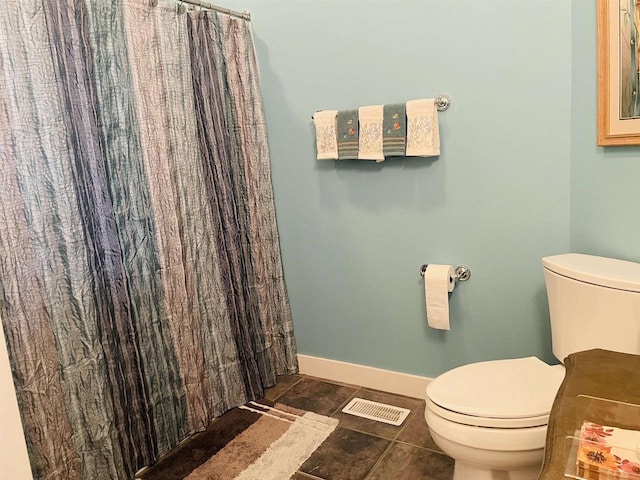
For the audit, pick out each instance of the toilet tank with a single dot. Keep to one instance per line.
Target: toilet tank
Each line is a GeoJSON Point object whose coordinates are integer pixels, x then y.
{"type": "Point", "coordinates": [594, 302]}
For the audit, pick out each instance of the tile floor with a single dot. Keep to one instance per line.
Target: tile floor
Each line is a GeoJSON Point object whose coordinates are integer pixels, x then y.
{"type": "Point", "coordinates": [362, 449]}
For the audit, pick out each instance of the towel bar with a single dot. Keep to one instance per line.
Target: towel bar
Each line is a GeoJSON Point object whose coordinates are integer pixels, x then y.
{"type": "Point", "coordinates": [442, 102]}
{"type": "Point", "coordinates": [463, 273]}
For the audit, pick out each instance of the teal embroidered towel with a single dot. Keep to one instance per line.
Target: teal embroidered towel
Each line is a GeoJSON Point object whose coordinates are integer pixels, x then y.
{"type": "Point", "coordinates": [394, 127]}
{"type": "Point", "coordinates": [370, 119]}
{"type": "Point", "coordinates": [347, 134]}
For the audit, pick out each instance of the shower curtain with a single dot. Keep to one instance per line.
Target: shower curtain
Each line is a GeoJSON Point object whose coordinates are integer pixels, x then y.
{"type": "Point", "coordinates": [141, 285]}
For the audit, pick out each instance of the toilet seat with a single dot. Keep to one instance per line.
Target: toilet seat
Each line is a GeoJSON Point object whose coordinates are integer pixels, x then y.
{"type": "Point", "coordinates": [485, 438]}
{"type": "Point", "coordinates": [488, 422]}
{"type": "Point", "coordinates": [514, 393]}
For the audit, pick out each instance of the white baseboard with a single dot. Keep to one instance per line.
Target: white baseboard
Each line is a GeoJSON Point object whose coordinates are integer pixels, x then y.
{"type": "Point", "coordinates": [363, 376]}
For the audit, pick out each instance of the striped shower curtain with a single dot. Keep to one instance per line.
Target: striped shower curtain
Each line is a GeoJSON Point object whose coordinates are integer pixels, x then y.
{"type": "Point", "coordinates": [141, 285]}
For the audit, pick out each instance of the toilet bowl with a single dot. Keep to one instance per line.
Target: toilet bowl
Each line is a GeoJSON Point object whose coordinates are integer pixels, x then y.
{"type": "Point", "coordinates": [491, 417]}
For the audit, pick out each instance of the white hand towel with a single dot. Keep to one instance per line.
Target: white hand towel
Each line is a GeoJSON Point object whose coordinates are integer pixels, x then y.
{"type": "Point", "coordinates": [423, 135]}
{"type": "Point", "coordinates": [371, 145]}
{"type": "Point", "coordinates": [326, 139]}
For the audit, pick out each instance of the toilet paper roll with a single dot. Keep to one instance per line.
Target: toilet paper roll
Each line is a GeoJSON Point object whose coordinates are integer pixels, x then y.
{"type": "Point", "coordinates": [439, 280]}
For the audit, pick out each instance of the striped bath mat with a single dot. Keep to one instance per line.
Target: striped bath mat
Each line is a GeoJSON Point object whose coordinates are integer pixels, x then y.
{"type": "Point", "coordinates": [252, 442]}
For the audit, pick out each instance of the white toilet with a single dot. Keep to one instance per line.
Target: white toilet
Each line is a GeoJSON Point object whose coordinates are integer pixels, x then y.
{"type": "Point", "coordinates": [491, 417]}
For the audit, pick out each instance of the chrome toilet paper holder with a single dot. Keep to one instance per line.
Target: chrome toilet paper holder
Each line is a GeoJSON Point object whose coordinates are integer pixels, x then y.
{"type": "Point", "coordinates": [462, 272]}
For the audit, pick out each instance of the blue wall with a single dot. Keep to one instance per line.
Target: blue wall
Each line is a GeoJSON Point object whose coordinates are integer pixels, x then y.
{"type": "Point", "coordinates": [605, 191]}
{"type": "Point", "coordinates": [354, 233]}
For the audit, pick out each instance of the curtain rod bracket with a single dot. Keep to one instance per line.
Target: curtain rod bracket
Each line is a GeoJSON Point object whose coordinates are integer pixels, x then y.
{"type": "Point", "coordinates": [208, 6]}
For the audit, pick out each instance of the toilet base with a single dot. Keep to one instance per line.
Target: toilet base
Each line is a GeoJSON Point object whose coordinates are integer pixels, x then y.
{"type": "Point", "coordinates": [463, 471]}
{"type": "Point", "coordinates": [480, 464]}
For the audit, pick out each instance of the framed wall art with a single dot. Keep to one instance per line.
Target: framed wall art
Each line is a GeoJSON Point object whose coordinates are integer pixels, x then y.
{"type": "Point", "coordinates": [618, 72]}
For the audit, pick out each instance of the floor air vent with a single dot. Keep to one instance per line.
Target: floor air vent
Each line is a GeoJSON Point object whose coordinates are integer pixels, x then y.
{"type": "Point", "coordinates": [376, 411]}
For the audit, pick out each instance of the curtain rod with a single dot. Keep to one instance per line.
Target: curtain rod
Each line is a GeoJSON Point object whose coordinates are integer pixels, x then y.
{"type": "Point", "coordinates": [209, 6]}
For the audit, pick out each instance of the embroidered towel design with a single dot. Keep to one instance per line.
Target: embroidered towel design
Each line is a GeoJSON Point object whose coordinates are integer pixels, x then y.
{"type": "Point", "coordinates": [326, 141]}
{"type": "Point", "coordinates": [347, 134]}
{"type": "Point", "coordinates": [423, 136]}
{"type": "Point", "coordinates": [371, 133]}
{"type": "Point", "coordinates": [394, 128]}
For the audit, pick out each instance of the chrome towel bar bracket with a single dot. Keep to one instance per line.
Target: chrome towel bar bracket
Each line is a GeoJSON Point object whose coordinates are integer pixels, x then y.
{"type": "Point", "coordinates": [443, 102]}
{"type": "Point", "coordinates": [462, 272]}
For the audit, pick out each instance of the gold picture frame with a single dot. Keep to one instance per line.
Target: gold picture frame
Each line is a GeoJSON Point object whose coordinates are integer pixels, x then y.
{"type": "Point", "coordinates": [618, 67]}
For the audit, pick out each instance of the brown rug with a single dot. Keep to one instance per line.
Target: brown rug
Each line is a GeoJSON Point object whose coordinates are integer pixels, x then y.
{"type": "Point", "coordinates": [252, 442]}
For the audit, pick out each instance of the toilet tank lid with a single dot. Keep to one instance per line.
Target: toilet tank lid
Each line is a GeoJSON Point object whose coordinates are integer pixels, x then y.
{"type": "Point", "coordinates": [607, 272]}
